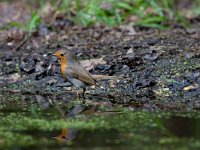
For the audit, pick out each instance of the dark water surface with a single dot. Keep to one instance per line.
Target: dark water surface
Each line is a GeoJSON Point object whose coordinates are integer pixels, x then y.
{"type": "Point", "coordinates": [30, 124]}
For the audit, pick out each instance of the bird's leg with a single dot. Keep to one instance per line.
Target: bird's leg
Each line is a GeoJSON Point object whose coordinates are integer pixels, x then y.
{"type": "Point", "coordinates": [84, 89]}
{"type": "Point", "coordinates": [78, 94]}
{"type": "Point", "coordinates": [83, 94]}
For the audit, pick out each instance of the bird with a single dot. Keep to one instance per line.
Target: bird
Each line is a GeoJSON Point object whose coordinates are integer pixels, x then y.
{"type": "Point", "coordinates": [73, 72]}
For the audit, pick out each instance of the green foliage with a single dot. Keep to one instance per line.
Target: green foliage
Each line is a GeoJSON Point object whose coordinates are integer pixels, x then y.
{"type": "Point", "coordinates": [149, 13]}
{"type": "Point", "coordinates": [30, 26]}
{"type": "Point", "coordinates": [146, 13]}
{"type": "Point", "coordinates": [33, 22]}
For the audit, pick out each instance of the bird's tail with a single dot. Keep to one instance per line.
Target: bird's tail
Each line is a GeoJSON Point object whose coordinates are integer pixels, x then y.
{"type": "Point", "coordinates": [97, 77]}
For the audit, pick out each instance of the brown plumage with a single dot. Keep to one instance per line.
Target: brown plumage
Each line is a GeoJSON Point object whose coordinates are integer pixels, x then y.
{"type": "Point", "coordinates": [73, 72]}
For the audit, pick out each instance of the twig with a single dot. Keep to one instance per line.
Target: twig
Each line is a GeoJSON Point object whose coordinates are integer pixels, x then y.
{"type": "Point", "coordinates": [21, 43]}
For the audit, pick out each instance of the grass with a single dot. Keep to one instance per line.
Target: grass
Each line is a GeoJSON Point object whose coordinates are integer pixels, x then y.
{"type": "Point", "coordinates": [143, 13]}
{"type": "Point", "coordinates": [31, 25]}
{"type": "Point", "coordinates": [147, 13]}
{"type": "Point", "coordinates": [33, 22]}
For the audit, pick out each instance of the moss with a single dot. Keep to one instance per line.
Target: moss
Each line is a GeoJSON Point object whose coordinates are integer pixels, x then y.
{"type": "Point", "coordinates": [24, 124]}
{"type": "Point", "coordinates": [135, 128]}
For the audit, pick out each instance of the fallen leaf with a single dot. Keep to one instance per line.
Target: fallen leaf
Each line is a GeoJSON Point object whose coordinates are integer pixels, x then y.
{"type": "Point", "coordinates": [129, 28]}
{"type": "Point", "coordinates": [191, 87]}
{"type": "Point", "coordinates": [89, 64]}
{"type": "Point", "coordinates": [130, 51]}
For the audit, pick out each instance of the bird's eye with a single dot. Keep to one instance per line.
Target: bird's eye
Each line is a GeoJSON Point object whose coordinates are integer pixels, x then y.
{"type": "Point", "coordinates": [61, 54]}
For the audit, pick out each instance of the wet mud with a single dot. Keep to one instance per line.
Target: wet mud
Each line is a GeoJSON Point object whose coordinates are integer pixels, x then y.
{"type": "Point", "coordinates": [158, 70]}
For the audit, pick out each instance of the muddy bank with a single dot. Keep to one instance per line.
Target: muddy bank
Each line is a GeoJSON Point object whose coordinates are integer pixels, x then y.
{"type": "Point", "coordinates": [160, 69]}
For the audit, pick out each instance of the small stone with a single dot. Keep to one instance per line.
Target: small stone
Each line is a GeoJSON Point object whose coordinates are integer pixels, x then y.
{"type": "Point", "coordinates": [68, 88]}
{"type": "Point", "coordinates": [52, 81]}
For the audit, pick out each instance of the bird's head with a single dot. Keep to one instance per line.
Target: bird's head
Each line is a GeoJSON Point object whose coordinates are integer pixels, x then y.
{"type": "Point", "coordinates": [61, 54]}
{"type": "Point", "coordinates": [65, 56]}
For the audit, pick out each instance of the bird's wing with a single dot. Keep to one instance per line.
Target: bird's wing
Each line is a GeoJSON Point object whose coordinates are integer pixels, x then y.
{"type": "Point", "coordinates": [80, 74]}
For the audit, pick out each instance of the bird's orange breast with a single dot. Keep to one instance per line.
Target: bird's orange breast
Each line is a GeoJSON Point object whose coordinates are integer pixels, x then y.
{"type": "Point", "coordinates": [63, 68]}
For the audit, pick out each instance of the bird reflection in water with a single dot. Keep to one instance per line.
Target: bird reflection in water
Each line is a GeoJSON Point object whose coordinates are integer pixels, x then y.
{"type": "Point", "coordinates": [68, 134]}
{"type": "Point", "coordinates": [65, 135]}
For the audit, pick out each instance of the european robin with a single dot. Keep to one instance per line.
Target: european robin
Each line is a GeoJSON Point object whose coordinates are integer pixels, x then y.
{"type": "Point", "coordinates": [62, 136]}
{"type": "Point", "coordinates": [73, 72]}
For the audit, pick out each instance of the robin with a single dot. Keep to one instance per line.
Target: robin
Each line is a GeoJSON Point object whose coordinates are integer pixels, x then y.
{"type": "Point", "coordinates": [73, 72]}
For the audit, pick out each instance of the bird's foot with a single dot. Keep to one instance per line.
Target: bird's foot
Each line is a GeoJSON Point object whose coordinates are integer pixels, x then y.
{"type": "Point", "coordinates": [80, 96]}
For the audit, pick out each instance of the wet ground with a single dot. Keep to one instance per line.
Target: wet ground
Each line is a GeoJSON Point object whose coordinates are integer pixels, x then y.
{"type": "Point", "coordinates": [158, 70]}
{"type": "Point", "coordinates": [154, 104]}
{"type": "Point", "coordinates": [74, 125]}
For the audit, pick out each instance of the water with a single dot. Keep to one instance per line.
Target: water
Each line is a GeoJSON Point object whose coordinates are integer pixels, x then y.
{"type": "Point", "coordinates": [27, 124]}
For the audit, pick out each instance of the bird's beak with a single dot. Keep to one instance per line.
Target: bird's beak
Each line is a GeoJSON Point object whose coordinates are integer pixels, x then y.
{"type": "Point", "coordinates": [54, 54]}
